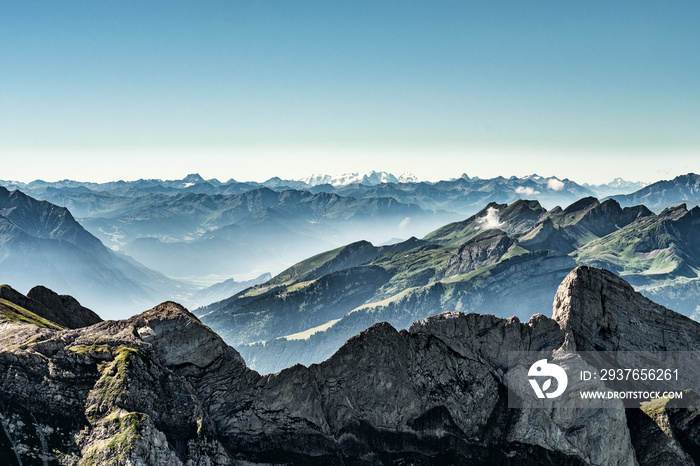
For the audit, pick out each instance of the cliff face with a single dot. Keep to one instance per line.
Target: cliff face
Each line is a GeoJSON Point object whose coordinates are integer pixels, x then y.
{"type": "Point", "coordinates": [602, 312]}
{"type": "Point", "coordinates": [161, 388]}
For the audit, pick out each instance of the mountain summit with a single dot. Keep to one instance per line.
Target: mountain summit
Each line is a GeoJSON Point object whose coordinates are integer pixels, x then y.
{"type": "Point", "coordinates": [684, 188]}
{"type": "Point", "coordinates": [372, 178]}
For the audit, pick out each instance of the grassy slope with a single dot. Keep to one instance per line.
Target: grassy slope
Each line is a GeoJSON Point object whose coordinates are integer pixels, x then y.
{"type": "Point", "coordinates": [14, 313]}
{"type": "Point", "coordinates": [634, 250]}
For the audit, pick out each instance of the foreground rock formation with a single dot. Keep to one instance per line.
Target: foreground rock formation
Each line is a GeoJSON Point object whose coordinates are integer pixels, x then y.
{"type": "Point", "coordinates": [161, 388]}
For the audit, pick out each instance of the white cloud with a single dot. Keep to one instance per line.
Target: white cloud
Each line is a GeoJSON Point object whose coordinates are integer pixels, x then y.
{"type": "Point", "coordinates": [526, 190]}
{"type": "Point", "coordinates": [555, 184]}
{"type": "Point", "coordinates": [490, 220]}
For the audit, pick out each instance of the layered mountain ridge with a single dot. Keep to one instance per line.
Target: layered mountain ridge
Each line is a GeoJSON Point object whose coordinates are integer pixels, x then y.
{"type": "Point", "coordinates": [505, 260]}
{"type": "Point", "coordinates": [665, 193]}
{"type": "Point", "coordinates": [42, 243]}
{"type": "Point", "coordinates": [199, 232]}
{"type": "Point", "coordinates": [162, 388]}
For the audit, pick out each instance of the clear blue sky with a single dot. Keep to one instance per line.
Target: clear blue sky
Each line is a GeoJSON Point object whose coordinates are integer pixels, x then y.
{"type": "Point", "coordinates": [101, 90]}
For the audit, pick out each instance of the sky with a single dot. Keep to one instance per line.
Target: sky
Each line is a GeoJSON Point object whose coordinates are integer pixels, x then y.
{"type": "Point", "coordinates": [107, 90]}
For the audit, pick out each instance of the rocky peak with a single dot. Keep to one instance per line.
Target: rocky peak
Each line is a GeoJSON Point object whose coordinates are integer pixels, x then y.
{"type": "Point", "coordinates": [604, 218]}
{"type": "Point", "coordinates": [10, 294]}
{"type": "Point", "coordinates": [522, 210]}
{"type": "Point", "coordinates": [635, 212]}
{"type": "Point", "coordinates": [193, 178]}
{"type": "Point", "coordinates": [166, 311]}
{"type": "Point", "coordinates": [599, 311]}
{"type": "Point", "coordinates": [582, 205]}
{"type": "Point", "coordinates": [179, 338]}
{"type": "Point", "coordinates": [520, 216]}
{"type": "Point", "coordinates": [490, 205]}
{"type": "Point", "coordinates": [41, 219]}
{"type": "Point", "coordinates": [484, 249]}
{"type": "Point", "coordinates": [517, 218]}
{"type": "Point", "coordinates": [64, 309]}
{"type": "Point", "coordinates": [674, 213]}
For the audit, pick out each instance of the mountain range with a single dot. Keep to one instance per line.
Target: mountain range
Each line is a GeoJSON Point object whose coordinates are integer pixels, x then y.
{"type": "Point", "coordinates": [165, 387]}
{"type": "Point", "coordinates": [195, 233]}
{"type": "Point", "coordinates": [200, 234]}
{"type": "Point", "coordinates": [505, 260]}
{"type": "Point", "coordinates": [666, 193]}
{"type": "Point", "coordinates": [43, 243]}
{"type": "Point", "coordinates": [193, 228]}
{"type": "Point", "coordinates": [203, 238]}
{"type": "Point", "coordinates": [372, 178]}
{"type": "Point", "coordinates": [161, 388]}
{"type": "Point", "coordinates": [196, 183]}
{"type": "Point", "coordinates": [617, 186]}
{"type": "Point", "coordinates": [462, 195]}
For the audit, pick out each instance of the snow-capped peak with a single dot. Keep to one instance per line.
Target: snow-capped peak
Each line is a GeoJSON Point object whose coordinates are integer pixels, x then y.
{"type": "Point", "coordinates": [371, 178]}
{"type": "Point", "coordinates": [408, 178]}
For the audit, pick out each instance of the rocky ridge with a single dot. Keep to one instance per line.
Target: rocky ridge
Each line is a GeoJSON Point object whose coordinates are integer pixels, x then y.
{"type": "Point", "coordinates": [162, 388]}
{"type": "Point", "coordinates": [63, 310]}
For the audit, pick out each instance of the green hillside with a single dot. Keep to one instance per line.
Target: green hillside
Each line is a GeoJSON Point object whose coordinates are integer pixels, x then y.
{"type": "Point", "coordinates": [505, 260]}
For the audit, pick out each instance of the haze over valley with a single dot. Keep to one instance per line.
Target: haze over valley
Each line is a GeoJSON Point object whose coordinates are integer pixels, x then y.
{"type": "Point", "coordinates": [126, 245]}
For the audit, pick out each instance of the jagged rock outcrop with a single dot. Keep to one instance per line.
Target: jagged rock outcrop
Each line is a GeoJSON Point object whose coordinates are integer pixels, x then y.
{"type": "Point", "coordinates": [602, 312]}
{"type": "Point", "coordinates": [63, 310]}
{"type": "Point", "coordinates": [111, 392]}
{"type": "Point", "coordinates": [162, 388]}
{"type": "Point", "coordinates": [484, 249]}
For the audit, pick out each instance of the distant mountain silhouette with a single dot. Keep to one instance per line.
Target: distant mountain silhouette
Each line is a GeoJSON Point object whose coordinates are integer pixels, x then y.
{"type": "Point", "coordinates": [41, 243]}
{"type": "Point", "coordinates": [662, 194]}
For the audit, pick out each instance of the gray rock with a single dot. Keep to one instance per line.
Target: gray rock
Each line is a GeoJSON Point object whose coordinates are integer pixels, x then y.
{"type": "Point", "coordinates": [162, 388]}
{"type": "Point", "coordinates": [64, 309]}
{"type": "Point", "coordinates": [602, 312]}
